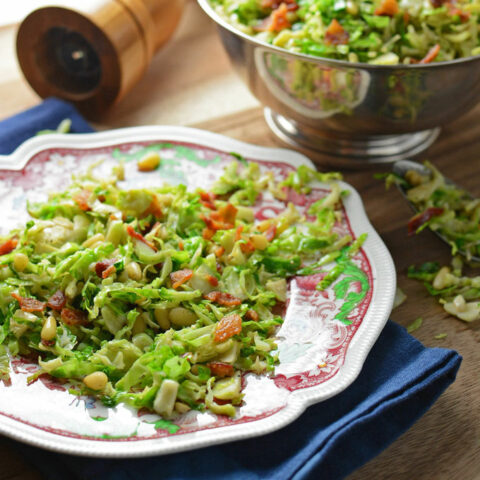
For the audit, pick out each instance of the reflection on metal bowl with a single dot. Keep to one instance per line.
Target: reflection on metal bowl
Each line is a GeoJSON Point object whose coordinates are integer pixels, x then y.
{"type": "Point", "coordinates": [351, 114]}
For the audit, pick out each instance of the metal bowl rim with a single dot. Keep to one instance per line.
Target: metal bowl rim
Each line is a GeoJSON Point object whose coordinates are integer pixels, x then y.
{"type": "Point", "coordinates": [207, 8]}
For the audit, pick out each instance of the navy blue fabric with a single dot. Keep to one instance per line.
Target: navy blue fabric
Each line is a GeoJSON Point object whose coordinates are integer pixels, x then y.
{"type": "Point", "coordinates": [400, 380]}
{"type": "Point", "coordinates": [47, 115]}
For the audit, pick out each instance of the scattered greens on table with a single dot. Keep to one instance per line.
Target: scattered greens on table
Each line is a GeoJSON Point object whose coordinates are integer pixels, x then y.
{"type": "Point", "coordinates": [379, 32]}
{"type": "Point", "coordinates": [161, 298]}
{"type": "Point", "coordinates": [455, 214]}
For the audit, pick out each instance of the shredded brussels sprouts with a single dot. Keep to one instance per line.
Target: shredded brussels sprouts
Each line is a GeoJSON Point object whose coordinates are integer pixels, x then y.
{"type": "Point", "coordinates": [161, 298]}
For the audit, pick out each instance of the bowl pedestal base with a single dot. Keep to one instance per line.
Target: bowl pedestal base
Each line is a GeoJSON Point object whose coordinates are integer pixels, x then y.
{"type": "Point", "coordinates": [340, 150]}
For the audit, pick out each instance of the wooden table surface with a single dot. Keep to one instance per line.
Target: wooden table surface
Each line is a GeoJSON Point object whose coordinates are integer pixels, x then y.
{"type": "Point", "coordinates": [192, 83]}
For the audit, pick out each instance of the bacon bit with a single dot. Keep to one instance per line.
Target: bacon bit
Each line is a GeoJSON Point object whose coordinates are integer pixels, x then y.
{"type": "Point", "coordinates": [57, 301]}
{"type": "Point", "coordinates": [238, 233]}
{"type": "Point", "coordinates": [221, 369]}
{"type": "Point", "coordinates": [336, 34]}
{"type": "Point", "coordinates": [109, 271]}
{"type": "Point", "coordinates": [247, 247]}
{"type": "Point", "coordinates": [278, 19]}
{"type": "Point", "coordinates": [132, 233]}
{"type": "Point", "coordinates": [406, 18]}
{"type": "Point", "coordinates": [387, 8]}
{"type": "Point", "coordinates": [227, 327]}
{"type": "Point", "coordinates": [73, 317]}
{"type": "Point", "coordinates": [421, 218]}
{"type": "Point", "coordinates": [226, 214]}
{"type": "Point", "coordinates": [431, 55]}
{"type": "Point", "coordinates": [213, 281]}
{"type": "Point", "coordinates": [8, 246]}
{"type": "Point", "coordinates": [271, 232]}
{"type": "Point", "coordinates": [180, 277]}
{"type": "Point", "coordinates": [154, 208]}
{"type": "Point", "coordinates": [252, 315]}
{"type": "Point", "coordinates": [207, 199]}
{"type": "Point", "coordinates": [219, 267]}
{"type": "Point", "coordinates": [103, 266]}
{"type": "Point", "coordinates": [219, 251]}
{"type": "Point", "coordinates": [180, 245]}
{"type": "Point", "coordinates": [81, 198]}
{"type": "Point", "coordinates": [222, 298]}
{"type": "Point", "coordinates": [208, 233]}
{"type": "Point", "coordinates": [29, 304]}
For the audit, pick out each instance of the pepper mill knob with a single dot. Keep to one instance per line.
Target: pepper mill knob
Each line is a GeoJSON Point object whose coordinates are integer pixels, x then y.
{"type": "Point", "coordinates": [93, 55]}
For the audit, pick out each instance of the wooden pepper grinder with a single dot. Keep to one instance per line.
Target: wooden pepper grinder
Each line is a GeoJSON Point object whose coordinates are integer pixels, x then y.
{"type": "Point", "coordinates": [93, 55]}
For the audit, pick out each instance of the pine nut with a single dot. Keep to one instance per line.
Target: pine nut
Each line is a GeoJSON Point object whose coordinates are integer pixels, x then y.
{"type": "Point", "coordinates": [96, 380]}
{"type": "Point", "coordinates": [134, 271]}
{"type": "Point", "coordinates": [161, 317]}
{"type": "Point", "coordinates": [182, 317]}
{"type": "Point", "coordinates": [459, 303]}
{"type": "Point", "coordinates": [139, 326]}
{"type": "Point", "coordinates": [49, 329]}
{"type": "Point", "coordinates": [142, 341]}
{"type": "Point", "coordinates": [20, 262]}
{"type": "Point", "coordinates": [181, 407]}
{"type": "Point", "coordinates": [150, 161]}
{"type": "Point", "coordinates": [260, 242]}
{"type": "Point", "coordinates": [414, 178]}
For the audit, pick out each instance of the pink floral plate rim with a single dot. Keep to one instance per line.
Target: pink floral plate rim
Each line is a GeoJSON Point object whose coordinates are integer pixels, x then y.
{"type": "Point", "coordinates": [381, 268]}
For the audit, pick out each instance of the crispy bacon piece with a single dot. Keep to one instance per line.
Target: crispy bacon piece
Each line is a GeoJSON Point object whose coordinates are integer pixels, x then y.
{"type": "Point", "coordinates": [431, 55]}
{"type": "Point", "coordinates": [8, 246]}
{"type": "Point", "coordinates": [219, 251]}
{"type": "Point", "coordinates": [271, 232]}
{"type": "Point", "coordinates": [336, 34]}
{"type": "Point", "coordinates": [252, 315]}
{"type": "Point", "coordinates": [207, 199]}
{"type": "Point", "coordinates": [180, 245]}
{"type": "Point", "coordinates": [278, 19]}
{"type": "Point", "coordinates": [29, 304]}
{"type": "Point", "coordinates": [73, 317]}
{"type": "Point", "coordinates": [454, 10]}
{"type": "Point", "coordinates": [141, 238]}
{"type": "Point", "coordinates": [221, 369]}
{"type": "Point", "coordinates": [238, 233]}
{"type": "Point", "coordinates": [180, 277]}
{"type": "Point", "coordinates": [420, 218]}
{"type": "Point", "coordinates": [388, 8]}
{"type": "Point", "coordinates": [227, 327]}
{"type": "Point", "coordinates": [57, 301]}
{"type": "Point", "coordinates": [222, 298]}
{"type": "Point", "coordinates": [247, 247]}
{"type": "Point", "coordinates": [213, 281]}
{"type": "Point", "coordinates": [103, 266]}
{"type": "Point", "coordinates": [208, 233]}
{"type": "Point", "coordinates": [81, 198]}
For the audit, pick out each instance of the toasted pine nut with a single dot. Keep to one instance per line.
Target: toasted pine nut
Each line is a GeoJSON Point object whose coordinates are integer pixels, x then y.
{"type": "Point", "coordinates": [459, 303]}
{"type": "Point", "coordinates": [134, 271]}
{"type": "Point", "coordinates": [182, 317]}
{"type": "Point", "coordinates": [351, 7]}
{"type": "Point", "coordinates": [49, 329]}
{"type": "Point", "coordinates": [150, 161]}
{"type": "Point", "coordinates": [161, 317]}
{"type": "Point", "coordinates": [90, 242]}
{"type": "Point", "coordinates": [260, 242]}
{"type": "Point", "coordinates": [96, 380]}
{"type": "Point", "coordinates": [139, 326]}
{"type": "Point", "coordinates": [142, 341]}
{"type": "Point", "coordinates": [20, 262]}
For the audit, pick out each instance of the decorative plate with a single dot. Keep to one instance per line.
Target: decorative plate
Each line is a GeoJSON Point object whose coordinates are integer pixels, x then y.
{"type": "Point", "coordinates": [319, 355]}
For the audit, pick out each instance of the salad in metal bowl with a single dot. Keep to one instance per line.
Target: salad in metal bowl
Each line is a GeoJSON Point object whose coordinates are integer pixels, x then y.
{"type": "Point", "coordinates": [162, 297]}
{"type": "Point", "coordinates": [383, 32]}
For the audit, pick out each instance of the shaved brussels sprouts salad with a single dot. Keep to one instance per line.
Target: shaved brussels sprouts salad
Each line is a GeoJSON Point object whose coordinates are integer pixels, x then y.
{"type": "Point", "coordinates": [383, 32]}
{"type": "Point", "coordinates": [161, 298]}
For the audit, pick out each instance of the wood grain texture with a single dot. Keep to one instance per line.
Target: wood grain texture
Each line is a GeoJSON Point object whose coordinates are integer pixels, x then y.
{"type": "Point", "coordinates": [191, 83]}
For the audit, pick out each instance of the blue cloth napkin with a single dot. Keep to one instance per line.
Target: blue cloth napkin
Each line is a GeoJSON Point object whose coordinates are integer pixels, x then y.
{"type": "Point", "coordinates": [400, 380]}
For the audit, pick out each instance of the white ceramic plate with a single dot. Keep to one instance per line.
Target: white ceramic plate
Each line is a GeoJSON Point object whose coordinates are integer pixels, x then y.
{"type": "Point", "coordinates": [319, 355]}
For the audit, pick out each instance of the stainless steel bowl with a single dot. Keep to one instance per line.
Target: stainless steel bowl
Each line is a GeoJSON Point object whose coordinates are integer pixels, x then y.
{"type": "Point", "coordinates": [351, 114]}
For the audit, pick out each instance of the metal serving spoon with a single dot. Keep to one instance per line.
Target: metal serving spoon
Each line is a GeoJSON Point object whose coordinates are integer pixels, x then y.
{"type": "Point", "coordinates": [400, 168]}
